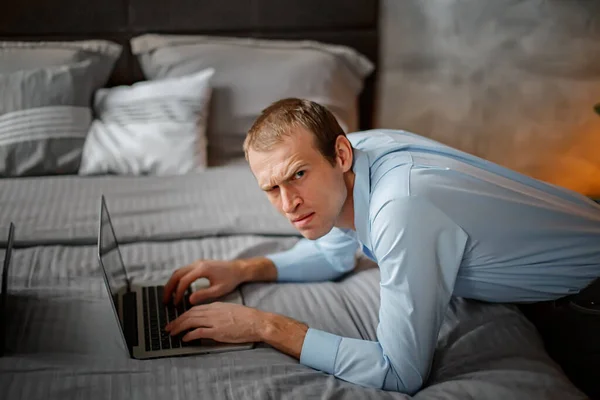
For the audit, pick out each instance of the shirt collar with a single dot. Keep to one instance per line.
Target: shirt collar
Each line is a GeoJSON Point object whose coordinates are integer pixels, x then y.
{"type": "Point", "coordinates": [361, 194]}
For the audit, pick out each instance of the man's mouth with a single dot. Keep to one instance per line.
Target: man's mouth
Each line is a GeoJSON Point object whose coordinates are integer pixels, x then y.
{"type": "Point", "coordinates": [302, 218]}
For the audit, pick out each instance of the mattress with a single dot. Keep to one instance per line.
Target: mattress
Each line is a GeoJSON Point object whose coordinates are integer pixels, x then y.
{"type": "Point", "coordinates": [64, 340]}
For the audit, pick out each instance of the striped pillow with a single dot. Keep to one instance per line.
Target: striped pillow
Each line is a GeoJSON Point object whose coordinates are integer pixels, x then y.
{"type": "Point", "coordinates": [45, 115]}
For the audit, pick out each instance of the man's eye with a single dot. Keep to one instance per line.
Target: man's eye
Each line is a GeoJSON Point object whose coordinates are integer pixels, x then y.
{"type": "Point", "coordinates": [299, 174]}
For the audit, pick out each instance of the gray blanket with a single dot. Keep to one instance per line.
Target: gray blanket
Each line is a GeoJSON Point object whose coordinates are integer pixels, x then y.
{"type": "Point", "coordinates": [64, 340]}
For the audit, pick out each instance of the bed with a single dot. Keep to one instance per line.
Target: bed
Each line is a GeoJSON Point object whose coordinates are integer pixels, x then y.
{"type": "Point", "coordinates": [171, 206]}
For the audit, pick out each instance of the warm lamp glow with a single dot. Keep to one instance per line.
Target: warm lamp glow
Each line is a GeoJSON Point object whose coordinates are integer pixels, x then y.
{"type": "Point", "coordinates": [576, 164]}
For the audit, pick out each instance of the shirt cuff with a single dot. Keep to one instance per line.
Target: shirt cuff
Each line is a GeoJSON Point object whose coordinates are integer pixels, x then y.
{"type": "Point", "coordinates": [319, 350]}
{"type": "Point", "coordinates": [283, 263]}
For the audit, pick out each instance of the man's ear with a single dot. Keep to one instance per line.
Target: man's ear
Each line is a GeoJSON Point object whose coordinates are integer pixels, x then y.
{"type": "Point", "coordinates": [344, 154]}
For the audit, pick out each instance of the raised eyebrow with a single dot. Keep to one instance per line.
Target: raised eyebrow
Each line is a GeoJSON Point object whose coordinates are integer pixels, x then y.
{"type": "Point", "coordinates": [294, 172]}
{"type": "Point", "coordinates": [287, 177]}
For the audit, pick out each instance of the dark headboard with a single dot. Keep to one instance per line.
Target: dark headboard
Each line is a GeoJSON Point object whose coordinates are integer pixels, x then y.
{"type": "Point", "coordinates": [352, 23]}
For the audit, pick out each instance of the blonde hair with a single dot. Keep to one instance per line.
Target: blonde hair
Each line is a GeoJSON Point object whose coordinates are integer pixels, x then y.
{"type": "Point", "coordinates": [275, 123]}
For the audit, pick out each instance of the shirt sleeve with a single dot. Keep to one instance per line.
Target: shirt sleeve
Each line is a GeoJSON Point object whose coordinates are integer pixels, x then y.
{"type": "Point", "coordinates": [326, 258]}
{"type": "Point", "coordinates": [419, 250]}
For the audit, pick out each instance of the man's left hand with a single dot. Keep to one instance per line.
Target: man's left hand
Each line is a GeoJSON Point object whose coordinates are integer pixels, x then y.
{"type": "Point", "coordinates": [223, 322]}
{"type": "Point", "coordinates": [235, 323]}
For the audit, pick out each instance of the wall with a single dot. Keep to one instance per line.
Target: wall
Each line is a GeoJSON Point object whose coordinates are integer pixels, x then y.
{"type": "Point", "coordinates": [513, 81]}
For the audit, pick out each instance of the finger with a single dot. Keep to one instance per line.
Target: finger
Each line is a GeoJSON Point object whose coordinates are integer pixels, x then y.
{"type": "Point", "coordinates": [189, 323]}
{"type": "Point", "coordinates": [177, 274]}
{"type": "Point", "coordinates": [195, 312]}
{"type": "Point", "coordinates": [204, 294]}
{"type": "Point", "coordinates": [198, 333]}
{"type": "Point", "coordinates": [186, 281]}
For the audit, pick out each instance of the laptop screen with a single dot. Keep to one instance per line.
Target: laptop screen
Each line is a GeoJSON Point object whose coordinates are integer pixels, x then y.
{"type": "Point", "coordinates": [6, 264]}
{"type": "Point", "coordinates": [110, 256]}
{"type": "Point", "coordinates": [4, 296]}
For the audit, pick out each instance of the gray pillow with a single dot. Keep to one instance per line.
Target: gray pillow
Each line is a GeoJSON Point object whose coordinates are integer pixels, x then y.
{"type": "Point", "coordinates": [19, 55]}
{"type": "Point", "coordinates": [252, 73]}
{"type": "Point", "coordinates": [45, 105]}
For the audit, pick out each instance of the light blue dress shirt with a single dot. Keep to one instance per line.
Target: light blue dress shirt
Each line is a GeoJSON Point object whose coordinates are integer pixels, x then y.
{"type": "Point", "coordinates": [440, 223]}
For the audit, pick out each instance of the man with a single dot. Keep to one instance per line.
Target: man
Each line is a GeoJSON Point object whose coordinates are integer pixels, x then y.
{"type": "Point", "coordinates": [437, 221]}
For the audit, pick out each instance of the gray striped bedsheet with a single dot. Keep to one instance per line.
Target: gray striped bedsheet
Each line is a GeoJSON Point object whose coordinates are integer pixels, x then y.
{"type": "Point", "coordinates": [64, 343]}
{"type": "Point", "coordinates": [65, 209]}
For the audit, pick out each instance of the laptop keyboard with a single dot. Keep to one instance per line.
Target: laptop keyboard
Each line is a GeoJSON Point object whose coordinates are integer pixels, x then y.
{"type": "Point", "coordinates": [157, 315]}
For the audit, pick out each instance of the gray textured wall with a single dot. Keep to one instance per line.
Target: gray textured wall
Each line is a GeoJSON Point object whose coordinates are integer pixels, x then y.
{"type": "Point", "coordinates": [513, 81]}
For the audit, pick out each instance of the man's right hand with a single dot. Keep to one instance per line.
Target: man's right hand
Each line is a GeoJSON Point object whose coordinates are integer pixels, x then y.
{"type": "Point", "coordinates": [224, 277]}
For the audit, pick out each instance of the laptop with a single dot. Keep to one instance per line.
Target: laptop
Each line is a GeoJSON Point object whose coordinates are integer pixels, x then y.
{"type": "Point", "coordinates": [4, 295]}
{"type": "Point", "coordinates": [140, 312]}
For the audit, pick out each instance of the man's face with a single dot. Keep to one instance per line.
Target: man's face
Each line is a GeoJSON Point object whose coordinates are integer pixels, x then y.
{"type": "Point", "coordinates": [301, 183]}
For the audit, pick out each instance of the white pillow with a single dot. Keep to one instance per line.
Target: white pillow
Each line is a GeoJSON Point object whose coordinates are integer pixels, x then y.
{"type": "Point", "coordinates": [150, 128]}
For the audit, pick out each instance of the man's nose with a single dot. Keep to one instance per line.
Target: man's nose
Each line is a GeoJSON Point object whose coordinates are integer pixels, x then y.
{"type": "Point", "coordinates": [289, 200]}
